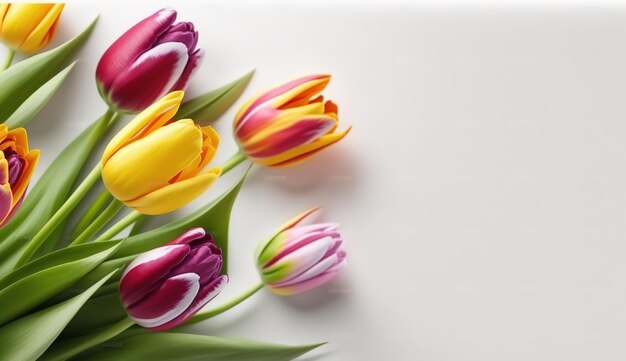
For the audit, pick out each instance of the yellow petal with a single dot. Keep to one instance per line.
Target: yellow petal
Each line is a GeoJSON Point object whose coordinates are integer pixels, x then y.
{"type": "Point", "coordinates": [41, 35]}
{"type": "Point", "coordinates": [176, 195]}
{"type": "Point", "coordinates": [211, 141]}
{"type": "Point", "coordinates": [20, 20]}
{"type": "Point", "coordinates": [151, 162]}
{"type": "Point", "coordinates": [30, 164]}
{"type": "Point", "coordinates": [300, 154]}
{"type": "Point", "coordinates": [145, 122]}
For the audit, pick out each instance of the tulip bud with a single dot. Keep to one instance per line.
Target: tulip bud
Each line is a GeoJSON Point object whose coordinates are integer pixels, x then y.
{"type": "Point", "coordinates": [17, 165]}
{"type": "Point", "coordinates": [151, 59]}
{"type": "Point", "coordinates": [28, 27]}
{"type": "Point", "coordinates": [286, 125]}
{"type": "Point", "coordinates": [154, 165]}
{"type": "Point", "coordinates": [166, 286]}
{"type": "Point", "coordinates": [300, 258]}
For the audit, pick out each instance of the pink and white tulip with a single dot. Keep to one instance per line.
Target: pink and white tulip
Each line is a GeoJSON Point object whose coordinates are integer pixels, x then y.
{"type": "Point", "coordinates": [151, 59]}
{"type": "Point", "coordinates": [301, 257]}
{"type": "Point", "coordinates": [166, 286]}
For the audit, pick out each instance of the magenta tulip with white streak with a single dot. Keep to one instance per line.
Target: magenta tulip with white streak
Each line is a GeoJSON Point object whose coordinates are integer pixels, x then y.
{"type": "Point", "coordinates": [151, 59]}
{"type": "Point", "coordinates": [166, 286]}
{"type": "Point", "coordinates": [301, 257]}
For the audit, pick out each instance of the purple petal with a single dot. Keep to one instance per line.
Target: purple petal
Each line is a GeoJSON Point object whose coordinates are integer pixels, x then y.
{"type": "Point", "coordinates": [206, 294]}
{"type": "Point", "coordinates": [201, 261]}
{"type": "Point", "coordinates": [148, 269]}
{"type": "Point", "coordinates": [128, 47]}
{"type": "Point", "coordinates": [189, 236]}
{"type": "Point", "coordinates": [151, 76]}
{"type": "Point", "coordinates": [194, 62]}
{"type": "Point", "coordinates": [169, 301]}
{"type": "Point", "coordinates": [189, 38]}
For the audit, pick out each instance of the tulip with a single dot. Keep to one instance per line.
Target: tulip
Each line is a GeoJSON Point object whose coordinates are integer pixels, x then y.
{"type": "Point", "coordinates": [288, 124]}
{"type": "Point", "coordinates": [164, 287]}
{"type": "Point", "coordinates": [151, 59]}
{"type": "Point", "coordinates": [155, 165]}
{"type": "Point", "coordinates": [28, 27]}
{"type": "Point", "coordinates": [17, 165]}
{"type": "Point", "coordinates": [300, 258]}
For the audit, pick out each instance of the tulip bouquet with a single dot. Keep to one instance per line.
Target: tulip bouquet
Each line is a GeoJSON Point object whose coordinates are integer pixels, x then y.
{"type": "Point", "coordinates": [114, 283]}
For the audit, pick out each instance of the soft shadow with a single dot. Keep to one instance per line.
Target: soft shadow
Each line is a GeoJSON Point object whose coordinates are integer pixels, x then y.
{"type": "Point", "coordinates": [334, 292]}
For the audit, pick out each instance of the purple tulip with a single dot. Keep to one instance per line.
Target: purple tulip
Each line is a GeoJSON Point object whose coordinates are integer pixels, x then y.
{"type": "Point", "coordinates": [151, 59]}
{"type": "Point", "coordinates": [166, 286]}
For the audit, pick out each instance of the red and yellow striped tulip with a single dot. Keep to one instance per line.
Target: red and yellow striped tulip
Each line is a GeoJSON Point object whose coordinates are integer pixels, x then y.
{"type": "Point", "coordinates": [28, 27]}
{"type": "Point", "coordinates": [17, 165]}
{"type": "Point", "coordinates": [155, 165]}
{"type": "Point", "coordinates": [288, 124]}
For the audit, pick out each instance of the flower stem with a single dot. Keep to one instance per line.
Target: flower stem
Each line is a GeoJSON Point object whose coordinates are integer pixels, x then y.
{"type": "Point", "coordinates": [137, 226]}
{"type": "Point", "coordinates": [60, 215]}
{"type": "Point", "coordinates": [69, 348]}
{"type": "Point", "coordinates": [8, 59]}
{"type": "Point", "coordinates": [119, 226]}
{"type": "Point", "coordinates": [205, 315]}
{"type": "Point", "coordinates": [233, 161]}
{"type": "Point", "coordinates": [107, 214]}
{"type": "Point", "coordinates": [90, 214]}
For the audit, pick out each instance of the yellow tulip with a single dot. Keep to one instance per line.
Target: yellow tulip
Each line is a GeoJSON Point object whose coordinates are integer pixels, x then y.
{"type": "Point", "coordinates": [28, 27]}
{"type": "Point", "coordinates": [155, 165]}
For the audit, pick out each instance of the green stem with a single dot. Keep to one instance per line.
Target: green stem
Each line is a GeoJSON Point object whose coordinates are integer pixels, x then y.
{"type": "Point", "coordinates": [119, 226]}
{"type": "Point", "coordinates": [205, 315]}
{"type": "Point", "coordinates": [96, 207]}
{"type": "Point", "coordinates": [107, 215]}
{"type": "Point", "coordinates": [137, 226]}
{"type": "Point", "coordinates": [8, 59]}
{"type": "Point", "coordinates": [60, 215]}
{"type": "Point", "coordinates": [233, 161]}
{"type": "Point", "coordinates": [64, 350]}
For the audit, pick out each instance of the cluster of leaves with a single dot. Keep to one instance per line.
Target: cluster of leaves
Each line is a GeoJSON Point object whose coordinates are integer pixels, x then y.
{"type": "Point", "coordinates": [64, 303]}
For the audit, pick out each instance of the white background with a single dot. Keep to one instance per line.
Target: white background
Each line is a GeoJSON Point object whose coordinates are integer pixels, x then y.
{"type": "Point", "coordinates": [482, 191]}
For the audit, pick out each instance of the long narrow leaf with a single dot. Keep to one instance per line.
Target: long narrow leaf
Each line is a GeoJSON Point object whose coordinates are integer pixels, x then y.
{"type": "Point", "coordinates": [48, 276]}
{"type": "Point", "coordinates": [27, 338]}
{"type": "Point", "coordinates": [190, 347]}
{"type": "Point", "coordinates": [21, 80]}
{"type": "Point", "coordinates": [38, 99]}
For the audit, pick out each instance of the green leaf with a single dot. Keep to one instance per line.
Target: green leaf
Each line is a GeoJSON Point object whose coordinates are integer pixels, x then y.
{"type": "Point", "coordinates": [27, 338]}
{"type": "Point", "coordinates": [107, 309]}
{"type": "Point", "coordinates": [29, 286]}
{"type": "Point", "coordinates": [207, 107]}
{"type": "Point", "coordinates": [214, 218]}
{"type": "Point", "coordinates": [38, 99]}
{"type": "Point", "coordinates": [48, 194]}
{"type": "Point", "coordinates": [166, 346]}
{"type": "Point", "coordinates": [20, 81]}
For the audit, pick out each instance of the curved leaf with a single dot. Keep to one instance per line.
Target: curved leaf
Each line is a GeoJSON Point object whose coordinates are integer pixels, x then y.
{"type": "Point", "coordinates": [206, 108]}
{"type": "Point", "coordinates": [20, 81]}
{"type": "Point", "coordinates": [27, 338]}
{"type": "Point", "coordinates": [34, 283]}
{"type": "Point", "coordinates": [38, 99]}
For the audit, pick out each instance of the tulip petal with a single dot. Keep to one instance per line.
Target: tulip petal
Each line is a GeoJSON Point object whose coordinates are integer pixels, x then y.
{"type": "Point", "coordinates": [312, 272]}
{"type": "Point", "coordinates": [134, 42]}
{"type": "Point", "coordinates": [151, 118]}
{"type": "Point", "coordinates": [306, 285]}
{"type": "Point", "coordinates": [30, 164]}
{"type": "Point", "coordinates": [301, 132]}
{"type": "Point", "coordinates": [169, 301]}
{"type": "Point", "coordinates": [299, 260]}
{"type": "Point", "coordinates": [4, 169]}
{"type": "Point", "coordinates": [149, 163]}
{"type": "Point", "coordinates": [41, 35]}
{"type": "Point", "coordinates": [190, 236]}
{"type": "Point", "coordinates": [176, 195]}
{"type": "Point", "coordinates": [148, 269]}
{"type": "Point", "coordinates": [195, 60]}
{"type": "Point", "coordinates": [152, 75]}
{"type": "Point", "coordinates": [303, 87]}
{"type": "Point", "coordinates": [19, 20]}
{"type": "Point", "coordinates": [302, 153]}
{"type": "Point", "coordinates": [205, 295]}
{"type": "Point", "coordinates": [6, 202]}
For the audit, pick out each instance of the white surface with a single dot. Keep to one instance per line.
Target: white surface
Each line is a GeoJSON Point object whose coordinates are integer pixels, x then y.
{"type": "Point", "coordinates": [481, 192]}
